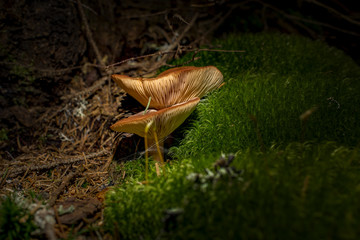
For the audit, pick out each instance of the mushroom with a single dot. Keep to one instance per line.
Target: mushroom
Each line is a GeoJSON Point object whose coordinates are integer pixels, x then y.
{"type": "Point", "coordinates": [173, 86]}
{"type": "Point", "coordinates": [163, 122]}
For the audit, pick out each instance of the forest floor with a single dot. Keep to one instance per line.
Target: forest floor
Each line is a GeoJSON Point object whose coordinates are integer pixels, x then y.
{"type": "Point", "coordinates": [58, 100]}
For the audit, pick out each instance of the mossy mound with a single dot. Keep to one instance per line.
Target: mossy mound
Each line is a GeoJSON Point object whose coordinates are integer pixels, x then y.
{"type": "Point", "coordinates": [290, 178]}
{"type": "Point", "coordinates": [306, 191]}
{"type": "Point", "coordinates": [268, 88]}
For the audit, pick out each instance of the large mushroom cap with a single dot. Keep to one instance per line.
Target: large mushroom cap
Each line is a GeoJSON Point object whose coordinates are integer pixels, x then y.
{"type": "Point", "coordinates": [173, 86]}
{"type": "Point", "coordinates": [164, 121]}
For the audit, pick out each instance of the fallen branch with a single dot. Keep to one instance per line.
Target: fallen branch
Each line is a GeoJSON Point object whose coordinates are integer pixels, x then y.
{"type": "Point", "coordinates": [98, 84]}
{"type": "Point", "coordinates": [349, 19]}
{"type": "Point", "coordinates": [173, 52]}
{"type": "Point", "coordinates": [314, 22]}
{"type": "Point", "coordinates": [89, 34]}
{"type": "Point", "coordinates": [58, 162]}
{"type": "Point", "coordinates": [62, 186]}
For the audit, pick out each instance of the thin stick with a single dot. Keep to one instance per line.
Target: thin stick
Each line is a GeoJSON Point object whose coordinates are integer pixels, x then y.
{"type": "Point", "coordinates": [4, 174]}
{"type": "Point", "coordinates": [295, 18]}
{"type": "Point", "coordinates": [59, 161]}
{"type": "Point", "coordinates": [58, 220]}
{"type": "Point", "coordinates": [188, 27]}
{"type": "Point", "coordinates": [335, 12]}
{"type": "Point", "coordinates": [89, 34]}
{"type": "Point", "coordinates": [62, 186]}
{"type": "Point", "coordinates": [139, 57]}
{"type": "Point", "coordinates": [217, 24]}
{"type": "Point", "coordinates": [172, 52]}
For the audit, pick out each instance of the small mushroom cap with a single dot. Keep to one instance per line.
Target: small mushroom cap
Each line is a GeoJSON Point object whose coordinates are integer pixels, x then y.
{"type": "Point", "coordinates": [173, 86]}
{"type": "Point", "coordinates": [164, 121]}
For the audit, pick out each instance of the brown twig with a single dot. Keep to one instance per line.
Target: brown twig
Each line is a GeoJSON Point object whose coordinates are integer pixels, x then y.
{"type": "Point", "coordinates": [87, 7]}
{"type": "Point", "coordinates": [58, 221]}
{"type": "Point", "coordinates": [221, 18]}
{"type": "Point", "coordinates": [98, 84]}
{"type": "Point", "coordinates": [161, 53]}
{"type": "Point", "coordinates": [169, 24]}
{"type": "Point", "coordinates": [63, 185]}
{"type": "Point", "coordinates": [139, 57]}
{"type": "Point", "coordinates": [193, 59]}
{"type": "Point", "coordinates": [296, 18]}
{"type": "Point", "coordinates": [174, 51]}
{"type": "Point", "coordinates": [335, 12]}
{"type": "Point", "coordinates": [311, 32]}
{"type": "Point", "coordinates": [4, 176]}
{"type": "Point", "coordinates": [56, 72]}
{"type": "Point", "coordinates": [89, 34]}
{"type": "Point", "coordinates": [148, 15]}
{"type": "Point", "coordinates": [57, 163]}
{"type": "Point", "coordinates": [107, 164]}
{"type": "Point", "coordinates": [187, 28]}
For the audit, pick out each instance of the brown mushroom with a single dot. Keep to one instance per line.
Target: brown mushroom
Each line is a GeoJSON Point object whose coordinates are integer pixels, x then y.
{"type": "Point", "coordinates": [173, 86]}
{"type": "Point", "coordinates": [163, 122]}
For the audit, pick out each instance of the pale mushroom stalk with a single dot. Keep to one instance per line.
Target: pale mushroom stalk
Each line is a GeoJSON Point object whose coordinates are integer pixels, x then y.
{"type": "Point", "coordinates": [159, 148]}
{"type": "Point", "coordinates": [164, 122]}
{"type": "Point", "coordinates": [156, 150]}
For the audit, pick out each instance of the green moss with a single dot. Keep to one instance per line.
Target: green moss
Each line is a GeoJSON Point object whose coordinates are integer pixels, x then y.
{"type": "Point", "coordinates": [130, 206]}
{"type": "Point", "coordinates": [268, 88]}
{"type": "Point", "coordinates": [303, 184]}
{"type": "Point", "coordinates": [15, 221]}
{"type": "Point", "coordinates": [281, 194]}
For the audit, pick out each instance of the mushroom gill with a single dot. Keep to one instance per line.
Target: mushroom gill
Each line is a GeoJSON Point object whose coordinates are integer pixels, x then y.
{"type": "Point", "coordinates": [163, 122]}
{"type": "Point", "coordinates": [173, 86]}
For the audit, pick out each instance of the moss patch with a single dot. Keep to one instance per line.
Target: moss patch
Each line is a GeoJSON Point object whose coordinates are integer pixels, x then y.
{"type": "Point", "coordinates": [303, 184]}
{"type": "Point", "coordinates": [268, 88]}
{"type": "Point", "coordinates": [280, 193]}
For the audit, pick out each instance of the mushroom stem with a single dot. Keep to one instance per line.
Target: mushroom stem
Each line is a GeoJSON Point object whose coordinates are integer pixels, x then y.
{"type": "Point", "coordinates": [156, 151]}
